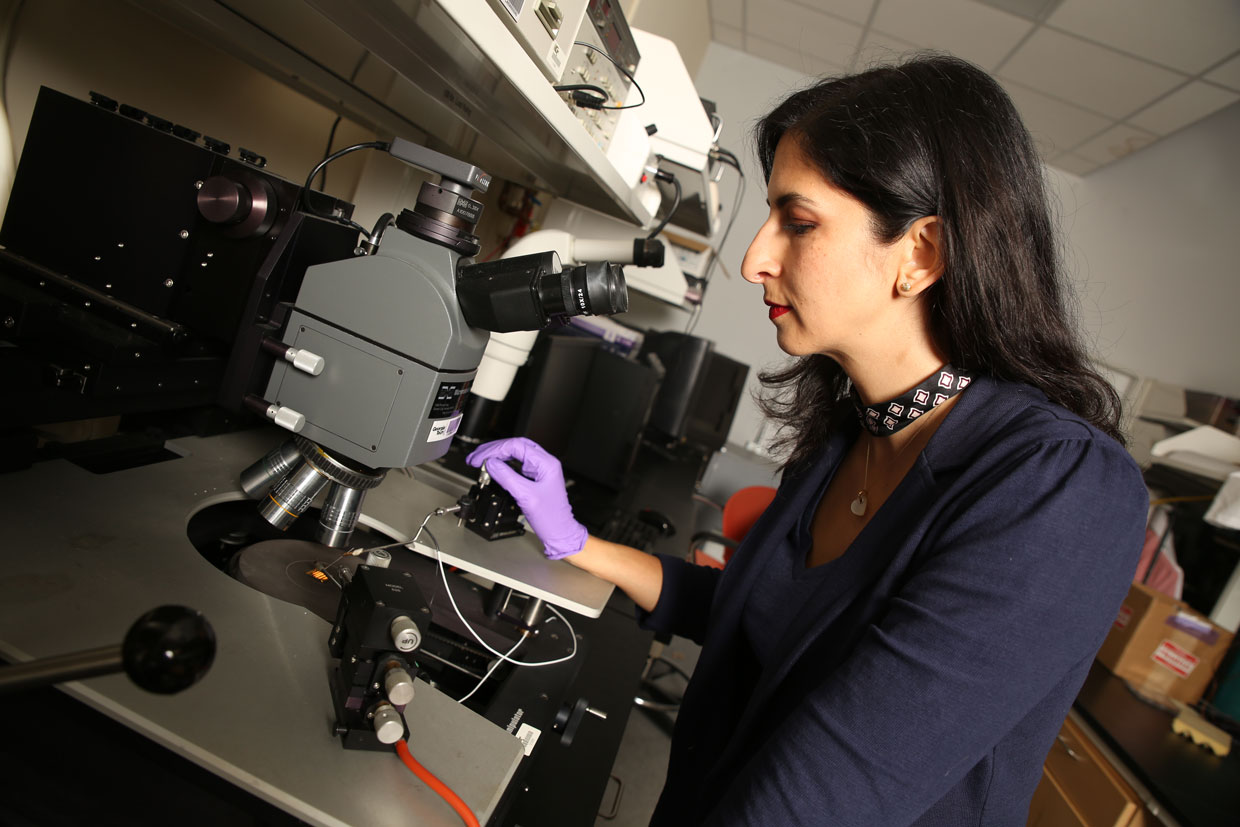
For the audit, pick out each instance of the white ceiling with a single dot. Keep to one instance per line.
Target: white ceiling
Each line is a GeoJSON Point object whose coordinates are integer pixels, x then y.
{"type": "Point", "coordinates": [1095, 80]}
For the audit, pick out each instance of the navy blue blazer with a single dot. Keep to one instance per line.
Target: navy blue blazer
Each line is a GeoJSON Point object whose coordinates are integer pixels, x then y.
{"type": "Point", "coordinates": [961, 624]}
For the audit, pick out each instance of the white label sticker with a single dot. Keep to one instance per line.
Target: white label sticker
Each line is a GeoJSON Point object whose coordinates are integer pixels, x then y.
{"type": "Point", "coordinates": [1178, 660]}
{"type": "Point", "coordinates": [442, 429]}
{"type": "Point", "coordinates": [1125, 615]}
{"type": "Point", "coordinates": [528, 736]}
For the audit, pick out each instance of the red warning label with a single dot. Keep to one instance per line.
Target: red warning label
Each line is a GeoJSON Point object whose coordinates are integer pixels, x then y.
{"type": "Point", "coordinates": [1178, 660]}
{"type": "Point", "coordinates": [1125, 615]}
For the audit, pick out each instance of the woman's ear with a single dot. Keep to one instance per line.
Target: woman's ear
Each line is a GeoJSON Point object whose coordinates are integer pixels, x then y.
{"type": "Point", "coordinates": [922, 263]}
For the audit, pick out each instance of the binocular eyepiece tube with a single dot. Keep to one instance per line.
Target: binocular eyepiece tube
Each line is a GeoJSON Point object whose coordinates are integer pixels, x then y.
{"type": "Point", "coordinates": [527, 292]}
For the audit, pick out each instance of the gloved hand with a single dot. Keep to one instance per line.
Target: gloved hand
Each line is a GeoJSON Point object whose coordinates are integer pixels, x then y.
{"type": "Point", "coordinates": [539, 490]}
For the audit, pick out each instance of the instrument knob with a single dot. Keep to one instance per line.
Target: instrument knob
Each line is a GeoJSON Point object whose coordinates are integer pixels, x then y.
{"type": "Point", "coordinates": [405, 634]}
{"type": "Point", "coordinates": [168, 649]}
{"type": "Point", "coordinates": [398, 685]}
{"type": "Point", "coordinates": [388, 723]}
{"type": "Point", "coordinates": [224, 201]}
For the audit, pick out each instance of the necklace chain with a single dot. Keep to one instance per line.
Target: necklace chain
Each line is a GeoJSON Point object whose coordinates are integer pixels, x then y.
{"type": "Point", "coordinates": [861, 502]}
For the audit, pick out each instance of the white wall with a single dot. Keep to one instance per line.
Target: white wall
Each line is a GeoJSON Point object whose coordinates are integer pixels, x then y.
{"type": "Point", "coordinates": [1152, 239]}
{"type": "Point", "coordinates": [1146, 243]}
{"type": "Point", "coordinates": [684, 22]}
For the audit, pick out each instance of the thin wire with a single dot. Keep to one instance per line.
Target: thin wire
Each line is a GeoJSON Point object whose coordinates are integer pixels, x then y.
{"type": "Point", "coordinates": [494, 666]}
{"type": "Point", "coordinates": [443, 574]}
{"type": "Point", "coordinates": [623, 71]}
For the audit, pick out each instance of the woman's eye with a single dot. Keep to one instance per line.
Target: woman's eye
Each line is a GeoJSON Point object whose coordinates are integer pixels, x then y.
{"type": "Point", "coordinates": [798, 229]}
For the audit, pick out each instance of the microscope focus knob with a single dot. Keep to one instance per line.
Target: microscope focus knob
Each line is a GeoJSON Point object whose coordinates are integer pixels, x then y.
{"type": "Point", "coordinates": [398, 685]}
{"type": "Point", "coordinates": [388, 723]}
{"type": "Point", "coordinates": [306, 362]}
{"type": "Point", "coordinates": [287, 418]}
{"type": "Point", "coordinates": [405, 634]}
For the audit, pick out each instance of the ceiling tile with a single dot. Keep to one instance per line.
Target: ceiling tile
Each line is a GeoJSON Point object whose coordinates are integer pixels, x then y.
{"type": "Point", "coordinates": [858, 11]}
{"type": "Point", "coordinates": [729, 12]}
{"type": "Point", "coordinates": [1115, 143]}
{"type": "Point", "coordinates": [728, 36]}
{"type": "Point", "coordinates": [1074, 164]}
{"type": "Point", "coordinates": [1189, 35]}
{"type": "Point", "coordinates": [1228, 74]}
{"type": "Point", "coordinates": [797, 28]}
{"type": "Point", "coordinates": [880, 48]}
{"type": "Point", "coordinates": [1088, 75]}
{"type": "Point", "coordinates": [964, 28]}
{"type": "Point", "coordinates": [806, 64]}
{"type": "Point", "coordinates": [1183, 106]}
{"type": "Point", "coordinates": [1056, 126]}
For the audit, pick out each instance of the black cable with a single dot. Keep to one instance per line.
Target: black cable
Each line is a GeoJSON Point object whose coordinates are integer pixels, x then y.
{"type": "Point", "coordinates": [667, 176]}
{"type": "Point", "coordinates": [623, 71]}
{"type": "Point", "coordinates": [304, 195]}
{"type": "Point", "coordinates": [581, 95]}
{"type": "Point", "coordinates": [583, 87]}
{"type": "Point", "coordinates": [331, 135]}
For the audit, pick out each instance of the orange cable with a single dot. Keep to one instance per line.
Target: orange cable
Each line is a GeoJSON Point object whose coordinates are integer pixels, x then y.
{"type": "Point", "coordinates": [454, 800]}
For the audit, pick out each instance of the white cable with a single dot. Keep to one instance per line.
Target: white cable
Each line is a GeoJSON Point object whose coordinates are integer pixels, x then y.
{"type": "Point", "coordinates": [503, 657]}
{"type": "Point", "coordinates": [494, 666]}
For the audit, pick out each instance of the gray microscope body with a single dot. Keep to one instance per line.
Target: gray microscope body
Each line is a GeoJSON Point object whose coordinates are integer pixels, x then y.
{"type": "Point", "coordinates": [377, 352]}
{"type": "Point", "coordinates": [398, 354]}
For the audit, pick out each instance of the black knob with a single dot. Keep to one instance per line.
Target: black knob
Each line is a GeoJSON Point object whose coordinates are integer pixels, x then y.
{"type": "Point", "coordinates": [215, 144]}
{"type": "Point", "coordinates": [253, 158]}
{"type": "Point", "coordinates": [168, 649]}
{"type": "Point", "coordinates": [133, 112]}
{"type": "Point", "coordinates": [103, 101]}
{"type": "Point", "coordinates": [162, 124]}
{"type": "Point", "coordinates": [185, 132]}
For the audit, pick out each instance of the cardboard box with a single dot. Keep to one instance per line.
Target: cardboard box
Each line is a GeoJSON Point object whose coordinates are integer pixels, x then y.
{"type": "Point", "coordinates": [1162, 647]}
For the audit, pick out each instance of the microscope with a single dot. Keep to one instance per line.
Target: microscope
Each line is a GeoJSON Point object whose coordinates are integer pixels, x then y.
{"type": "Point", "coordinates": [377, 353]}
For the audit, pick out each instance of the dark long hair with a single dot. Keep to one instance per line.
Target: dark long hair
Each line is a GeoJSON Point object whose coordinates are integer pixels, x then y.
{"type": "Point", "coordinates": [935, 135]}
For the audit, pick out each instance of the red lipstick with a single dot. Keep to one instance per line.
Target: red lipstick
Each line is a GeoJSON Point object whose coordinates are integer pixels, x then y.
{"type": "Point", "coordinates": [776, 310]}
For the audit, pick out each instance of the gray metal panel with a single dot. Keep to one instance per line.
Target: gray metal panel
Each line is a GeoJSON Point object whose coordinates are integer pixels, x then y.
{"type": "Point", "coordinates": [352, 399]}
{"type": "Point", "coordinates": [403, 296]}
{"type": "Point", "coordinates": [89, 553]}
{"type": "Point", "coordinates": [368, 404]}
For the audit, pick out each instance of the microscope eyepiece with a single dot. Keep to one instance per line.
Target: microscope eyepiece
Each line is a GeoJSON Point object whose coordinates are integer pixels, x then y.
{"type": "Point", "coordinates": [527, 292]}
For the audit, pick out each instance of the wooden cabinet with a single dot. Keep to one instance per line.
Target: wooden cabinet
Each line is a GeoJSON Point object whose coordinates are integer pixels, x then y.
{"type": "Point", "coordinates": [1080, 787]}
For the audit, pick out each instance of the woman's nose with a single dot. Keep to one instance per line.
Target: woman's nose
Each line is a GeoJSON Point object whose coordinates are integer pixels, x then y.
{"type": "Point", "coordinates": [759, 263]}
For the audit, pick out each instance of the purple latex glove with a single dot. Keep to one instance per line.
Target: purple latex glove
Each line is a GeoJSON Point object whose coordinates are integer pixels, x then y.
{"type": "Point", "coordinates": [539, 490]}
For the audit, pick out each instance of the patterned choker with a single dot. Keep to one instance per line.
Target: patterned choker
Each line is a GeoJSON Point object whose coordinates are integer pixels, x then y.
{"type": "Point", "coordinates": [885, 418]}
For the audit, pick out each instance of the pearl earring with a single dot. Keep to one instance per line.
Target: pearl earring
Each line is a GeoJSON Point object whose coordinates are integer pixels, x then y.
{"type": "Point", "coordinates": [906, 286]}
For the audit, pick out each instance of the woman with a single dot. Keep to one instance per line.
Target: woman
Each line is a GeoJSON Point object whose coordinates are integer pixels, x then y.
{"type": "Point", "coordinates": [900, 636]}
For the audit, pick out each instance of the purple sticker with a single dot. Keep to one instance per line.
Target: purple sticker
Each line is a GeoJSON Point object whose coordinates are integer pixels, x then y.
{"type": "Point", "coordinates": [1195, 626]}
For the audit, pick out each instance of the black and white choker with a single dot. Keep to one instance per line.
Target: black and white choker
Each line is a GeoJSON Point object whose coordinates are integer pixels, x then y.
{"type": "Point", "coordinates": [885, 418]}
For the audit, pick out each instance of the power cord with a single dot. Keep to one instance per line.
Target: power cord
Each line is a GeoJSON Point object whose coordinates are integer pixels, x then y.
{"type": "Point", "coordinates": [663, 175]}
{"type": "Point", "coordinates": [584, 87]}
{"type": "Point", "coordinates": [304, 195]}
{"type": "Point", "coordinates": [445, 792]}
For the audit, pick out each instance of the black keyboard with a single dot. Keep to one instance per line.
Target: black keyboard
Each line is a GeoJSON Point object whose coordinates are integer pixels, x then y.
{"type": "Point", "coordinates": [627, 529]}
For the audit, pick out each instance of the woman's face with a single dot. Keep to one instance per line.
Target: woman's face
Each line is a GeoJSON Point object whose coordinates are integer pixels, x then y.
{"type": "Point", "coordinates": [827, 281]}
